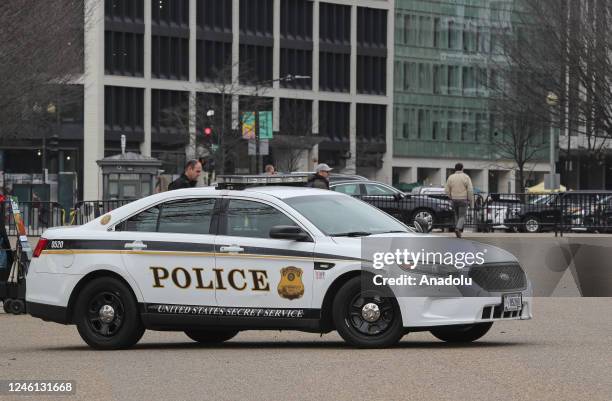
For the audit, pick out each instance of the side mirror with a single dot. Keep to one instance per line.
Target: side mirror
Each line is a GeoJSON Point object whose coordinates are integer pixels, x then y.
{"type": "Point", "coordinates": [293, 233]}
{"type": "Point", "coordinates": [399, 196]}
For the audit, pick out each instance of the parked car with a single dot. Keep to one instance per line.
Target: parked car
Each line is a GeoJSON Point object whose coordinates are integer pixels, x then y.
{"type": "Point", "coordinates": [333, 177]}
{"type": "Point", "coordinates": [438, 213]}
{"type": "Point", "coordinates": [495, 209]}
{"type": "Point", "coordinates": [598, 217]}
{"type": "Point", "coordinates": [562, 210]}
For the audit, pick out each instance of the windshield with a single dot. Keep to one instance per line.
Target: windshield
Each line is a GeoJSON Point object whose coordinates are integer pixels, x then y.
{"type": "Point", "coordinates": [541, 199]}
{"type": "Point", "coordinates": [342, 215]}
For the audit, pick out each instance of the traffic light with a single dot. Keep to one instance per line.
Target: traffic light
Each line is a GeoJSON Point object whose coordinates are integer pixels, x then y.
{"type": "Point", "coordinates": [208, 132]}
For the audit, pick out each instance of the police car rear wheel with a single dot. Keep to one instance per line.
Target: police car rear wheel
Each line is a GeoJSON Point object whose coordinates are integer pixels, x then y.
{"type": "Point", "coordinates": [367, 318]}
{"type": "Point", "coordinates": [462, 333]}
{"type": "Point", "coordinates": [211, 337]}
{"type": "Point", "coordinates": [107, 315]}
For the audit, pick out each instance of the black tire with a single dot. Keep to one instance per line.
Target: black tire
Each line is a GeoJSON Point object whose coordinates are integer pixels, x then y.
{"type": "Point", "coordinates": [211, 336]}
{"type": "Point", "coordinates": [123, 331]}
{"type": "Point", "coordinates": [462, 333]}
{"type": "Point", "coordinates": [6, 306]}
{"type": "Point", "coordinates": [16, 307]}
{"type": "Point", "coordinates": [532, 224]}
{"type": "Point", "coordinates": [351, 298]}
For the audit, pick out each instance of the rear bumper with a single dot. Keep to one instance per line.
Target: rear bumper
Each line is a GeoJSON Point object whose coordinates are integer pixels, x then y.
{"type": "Point", "coordinates": [48, 313]}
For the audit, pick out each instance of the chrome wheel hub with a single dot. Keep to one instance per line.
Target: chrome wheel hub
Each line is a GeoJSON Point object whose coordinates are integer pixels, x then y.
{"type": "Point", "coordinates": [370, 312]}
{"type": "Point", "coordinates": [107, 313]}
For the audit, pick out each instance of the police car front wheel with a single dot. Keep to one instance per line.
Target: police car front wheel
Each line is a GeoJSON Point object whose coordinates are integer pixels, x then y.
{"type": "Point", "coordinates": [106, 315]}
{"type": "Point", "coordinates": [211, 336]}
{"type": "Point", "coordinates": [366, 317]}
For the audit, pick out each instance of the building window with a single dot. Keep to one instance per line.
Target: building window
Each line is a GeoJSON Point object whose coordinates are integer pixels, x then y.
{"type": "Point", "coordinates": [371, 75]}
{"type": "Point", "coordinates": [296, 19]}
{"type": "Point", "coordinates": [124, 10]}
{"type": "Point", "coordinates": [410, 30]}
{"type": "Point", "coordinates": [371, 51]}
{"type": "Point", "coordinates": [334, 121]}
{"type": "Point", "coordinates": [335, 72]}
{"type": "Point", "coordinates": [256, 17]}
{"type": "Point", "coordinates": [123, 54]}
{"type": "Point", "coordinates": [296, 42]}
{"type": "Point", "coordinates": [454, 84]}
{"type": "Point", "coordinates": [256, 64]}
{"type": "Point", "coordinates": [425, 81]}
{"type": "Point", "coordinates": [438, 36]}
{"type": "Point", "coordinates": [170, 57]}
{"type": "Point", "coordinates": [295, 117]}
{"type": "Point", "coordinates": [425, 31]}
{"type": "Point", "coordinates": [170, 12]}
{"type": "Point", "coordinates": [123, 110]}
{"type": "Point", "coordinates": [453, 35]}
{"type": "Point", "coordinates": [371, 123]}
{"type": "Point", "coordinates": [371, 27]}
{"type": "Point", "coordinates": [335, 47]}
{"type": "Point", "coordinates": [169, 112]}
{"type": "Point", "coordinates": [335, 23]}
{"type": "Point", "coordinates": [214, 40]}
{"type": "Point", "coordinates": [214, 15]}
{"type": "Point", "coordinates": [296, 62]}
{"type": "Point", "coordinates": [214, 61]}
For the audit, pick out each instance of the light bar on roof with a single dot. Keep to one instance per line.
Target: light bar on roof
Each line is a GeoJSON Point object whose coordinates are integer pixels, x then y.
{"type": "Point", "coordinates": [242, 181]}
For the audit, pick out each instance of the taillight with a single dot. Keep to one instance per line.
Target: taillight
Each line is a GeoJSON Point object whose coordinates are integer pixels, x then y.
{"type": "Point", "coordinates": [40, 246]}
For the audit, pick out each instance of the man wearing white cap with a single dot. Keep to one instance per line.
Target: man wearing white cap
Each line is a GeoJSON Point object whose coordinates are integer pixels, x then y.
{"type": "Point", "coordinates": [321, 178]}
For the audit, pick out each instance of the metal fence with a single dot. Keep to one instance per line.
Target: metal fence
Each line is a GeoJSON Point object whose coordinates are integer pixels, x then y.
{"type": "Point", "coordinates": [575, 211]}
{"type": "Point", "coordinates": [86, 211]}
{"type": "Point", "coordinates": [36, 216]}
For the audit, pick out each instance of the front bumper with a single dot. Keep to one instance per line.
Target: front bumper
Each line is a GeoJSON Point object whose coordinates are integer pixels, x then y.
{"type": "Point", "coordinates": [426, 312]}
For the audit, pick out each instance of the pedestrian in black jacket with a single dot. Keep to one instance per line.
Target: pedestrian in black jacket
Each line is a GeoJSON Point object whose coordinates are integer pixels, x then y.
{"type": "Point", "coordinates": [190, 176]}
{"type": "Point", "coordinates": [321, 178]}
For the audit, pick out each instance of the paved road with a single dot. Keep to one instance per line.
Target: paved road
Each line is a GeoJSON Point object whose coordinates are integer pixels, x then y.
{"type": "Point", "coordinates": [563, 354]}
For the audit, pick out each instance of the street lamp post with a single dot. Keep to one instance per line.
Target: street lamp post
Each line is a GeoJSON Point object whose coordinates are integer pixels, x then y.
{"type": "Point", "coordinates": [552, 100]}
{"type": "Point", "coordinates": [287, 78]}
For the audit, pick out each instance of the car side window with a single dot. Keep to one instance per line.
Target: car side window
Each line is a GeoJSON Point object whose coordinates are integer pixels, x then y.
{"type": "Point", "coordinates": [142, 222]}
{"type": "Point", "coordinates": [188, 216]}
{"type": "Point", "coordinates": [349, 189]}
{"type": "Point", "coordinates": [253, 219]}
{"type": "Point", "coordinates": [378, 190]}
{"type": "Point", "coordinates": [185, 216]}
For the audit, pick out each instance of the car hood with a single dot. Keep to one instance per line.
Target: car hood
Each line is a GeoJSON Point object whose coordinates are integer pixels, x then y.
{"type": "Point", "coordinates": [431, 243]}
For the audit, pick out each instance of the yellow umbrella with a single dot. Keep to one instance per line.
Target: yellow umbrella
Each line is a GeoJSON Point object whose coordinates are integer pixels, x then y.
{"type": "Point", "coordinates": [539, 189]}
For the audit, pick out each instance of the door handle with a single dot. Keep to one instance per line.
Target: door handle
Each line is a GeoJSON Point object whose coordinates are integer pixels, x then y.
{"type": "Point", "coordinates": [135, 245]}
{"type": "Point", "coordinates": [231, 249]}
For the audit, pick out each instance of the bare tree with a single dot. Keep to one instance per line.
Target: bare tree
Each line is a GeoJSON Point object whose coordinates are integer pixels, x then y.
{"type": "Point", "coordinates": [564, 46]}
{"type": "Point", "coordinates": [41, 49]}
{"type": "Point", "coordinates": [214, 109]}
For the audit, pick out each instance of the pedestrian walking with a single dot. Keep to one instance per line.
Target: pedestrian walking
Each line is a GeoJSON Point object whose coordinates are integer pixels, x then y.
{"type": "Point", "coordinates": [190, 176]}
{"type": "Point", "coordinates": [321, 177]}
{"type": "Point", "coordinates": [461, 192]}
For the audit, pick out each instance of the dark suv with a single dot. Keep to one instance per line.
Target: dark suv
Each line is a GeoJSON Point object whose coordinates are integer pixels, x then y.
{"type": "Point", "coordinates": [404, 207]}
{"type": "Point", "coordinates": [574, 210]}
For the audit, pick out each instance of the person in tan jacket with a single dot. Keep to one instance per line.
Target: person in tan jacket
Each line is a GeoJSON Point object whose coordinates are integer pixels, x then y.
{"type": "Point", "coordinates": [461, 192]}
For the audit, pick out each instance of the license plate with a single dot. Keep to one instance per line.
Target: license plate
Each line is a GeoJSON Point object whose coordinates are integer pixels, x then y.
{"type": "Point", "coordinates": [512, 302]}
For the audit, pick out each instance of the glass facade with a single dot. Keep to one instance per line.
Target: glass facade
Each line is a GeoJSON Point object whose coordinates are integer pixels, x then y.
{"type": "Point", "coordinates": [445, 57]}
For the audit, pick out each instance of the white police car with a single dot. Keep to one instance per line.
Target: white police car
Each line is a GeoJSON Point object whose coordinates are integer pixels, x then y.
{"type": "Point", "coordinates": [214, 261]}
